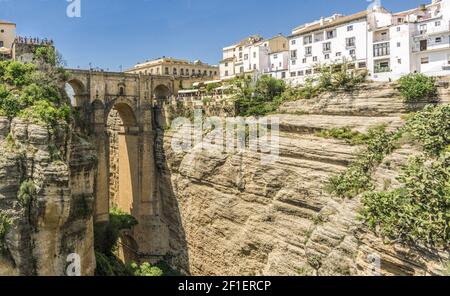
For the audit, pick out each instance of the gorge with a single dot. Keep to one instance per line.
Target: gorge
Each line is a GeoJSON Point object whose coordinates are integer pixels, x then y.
{"type": "Point", "coordinates": [204, 212]}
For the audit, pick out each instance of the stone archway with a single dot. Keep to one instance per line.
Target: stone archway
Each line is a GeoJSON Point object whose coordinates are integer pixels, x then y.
{"type": "Point", "coordinates": [76, 91]}
{"type": "Point", "coordinates": [123, 148]}
{"type": "Point", "coordinates": [162, 92]}
{"type": "Point", "coordinates": [161, 95]}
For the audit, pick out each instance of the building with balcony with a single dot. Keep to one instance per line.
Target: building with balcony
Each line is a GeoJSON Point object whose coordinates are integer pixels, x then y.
{"type": "Point", "coordinates": [416, 40]}
{"type": "Point", "coordinates": [177, 68]}
{"type": "Point", "coordinates": [252, 56]}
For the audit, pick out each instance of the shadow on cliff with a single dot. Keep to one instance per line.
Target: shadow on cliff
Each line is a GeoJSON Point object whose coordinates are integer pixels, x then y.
{"type": "Point", "coordinates": [171, 215]}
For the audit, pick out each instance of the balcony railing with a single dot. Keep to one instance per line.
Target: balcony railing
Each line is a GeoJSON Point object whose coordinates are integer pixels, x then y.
{"type": "Point", "coordinates": [381, 39]}
{"type": "Point", "coordinates": [382, 69]}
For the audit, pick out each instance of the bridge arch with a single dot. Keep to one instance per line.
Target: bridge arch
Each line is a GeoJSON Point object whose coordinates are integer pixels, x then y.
{"type": "Point", "coordinates": [162, 92]}
{"type": "Point", "coordinates": [79, 96]}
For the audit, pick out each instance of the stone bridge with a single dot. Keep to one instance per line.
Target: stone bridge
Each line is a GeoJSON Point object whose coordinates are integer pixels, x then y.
{"type": "Point", "coordinates": [135, 98]}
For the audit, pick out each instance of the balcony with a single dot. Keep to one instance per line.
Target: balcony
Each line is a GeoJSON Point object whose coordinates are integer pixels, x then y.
{"type": "Point", "coordinates": [378, 70]}
{"type": "Point", "coordinates": [382, 38]}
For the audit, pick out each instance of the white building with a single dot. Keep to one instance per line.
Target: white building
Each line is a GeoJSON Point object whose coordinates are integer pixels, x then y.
{"type": "Point", "coordinates": [335, 39]}
{"type": "Point", "coordinates": [388, 45]}
{"type": "Point", "coordinates": [252, 56]}
{"type": "Point", "coordinates": [279, 64]}
{"type": "Point", "coordinates": [417, 40]}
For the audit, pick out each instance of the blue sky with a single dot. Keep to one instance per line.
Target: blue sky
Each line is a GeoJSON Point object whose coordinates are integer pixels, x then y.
{"type": "Point", "coordinates": [114, 33]}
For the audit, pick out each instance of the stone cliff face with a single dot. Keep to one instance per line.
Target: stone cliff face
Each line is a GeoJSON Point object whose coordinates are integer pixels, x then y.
{"type": "Point", "coordinates": [239, 216]}
{"type": "Point", "coordinates": [46, 191]}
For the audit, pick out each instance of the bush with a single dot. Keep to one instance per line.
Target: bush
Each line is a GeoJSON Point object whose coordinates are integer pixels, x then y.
{"type": "Point", "coordinates": [15, 73]}
{"type": "Point", "coordinates": [357, 178]}
{"type": "Point", "coordinates": [419, 211]}
{"type": "Point", "coordinates": [46, 54]}
{"type": "Point", "coordinates": [431, 128]}
{"type": "Point", "coordinates": [260, 98]}
{"type": "Point", "coordinates": [26, 193]}
{"type": "Point", "coordinates": [344, 133]}
{"type": "Point", "coordinates": [110, 265]}
{"type": "Point", "coordinates": [9, 104]}
{"type": "Point", "coordinates": [146, 269]}
{"type": "Point", "coordinates": [47, 113]}
{"type": "Point", "coordinates": [416, 87]}
{"type": "Point", "coordinates": [5, 224]}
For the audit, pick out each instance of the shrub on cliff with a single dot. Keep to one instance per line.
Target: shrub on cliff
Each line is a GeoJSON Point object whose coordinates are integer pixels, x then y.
{"type": "Point", "coordinates": [260, 98]}
{"type": "Point", "coordinates": [419, 211]}
{"type": "Point", "coordinates": [5, 223]}
{"type": "Point", "coordinates": [416, 87]}
{"type": "Point", "coordinates": [145, 269]}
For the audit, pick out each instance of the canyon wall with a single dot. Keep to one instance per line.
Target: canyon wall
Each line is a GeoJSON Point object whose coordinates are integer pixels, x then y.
{"type": "Point", "coordinates": [47, 194]}
{"type": "Point", "coordinates": [231, 214]}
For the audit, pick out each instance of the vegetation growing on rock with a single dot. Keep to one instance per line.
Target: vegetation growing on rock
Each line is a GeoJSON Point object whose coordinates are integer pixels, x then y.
{"type": "Point", "coordinates": [416, 87]}
{"type": "Point", "coordinates": [35, 94]}
{"type": "Point", "coordinates": [419, 211]}
{"type": "Point", "coordinates": [5, 223]}
{"type": "Point", "coordinates": [266, 94]}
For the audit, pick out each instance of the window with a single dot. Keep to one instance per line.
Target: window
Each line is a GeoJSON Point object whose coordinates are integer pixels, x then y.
{"type": "Point", "coordinates": [226, 73]}
{"type": "Point", "coordinates": [308, 50]}
{"type": "Point", "coordinates": [293, 74]}
{"type": "Point", "coordinates": [246, 57]}
{"type": "Point", "coordinates": [254, 55]}
{"type": "Point", "coordinates": [399, 44]}
{"type": "Point", "coordinates": [121, 91]}
{"type": "Point", "coordinates": [226, 64]}
{"type": "Point", "coordinates": [338, 54]}
{"type": "Point", "coordinates": [423, 45]}
{"type": "Point", "coordinates": [283, 75]}
{"type": "Point", "coordinates": [362, 65]}
{"type": "Point", "coordinates": [327, 47]}
{"type": "Point", "coordinates": [174, 71]}
{"type": "Point", "coordinates": [182, 71]}
{"type": "Point", "coordinates": [423, 29]}
{"type": "Point", "coordinates": [1, 44]}
{"type": "Point", "coordinates": [2, 31]}
{"type": "Point", "coordinates": [327, 57]}
{"type": "Point", "coordinates": [293, 62]}
{"type": "Point", "coordinates": [304, 61]}
{"type": "Point", "coordinates": [275, 56]}
{"type": "Point", "coordinates": [438, 40]}
{"type": "Point", "coordinates": [448, 59]}
{"type": "Point", "coordinates": [424, 60]}
{"type": "Point", "coordinates": [331, 34]}
{"type": "Point", "coordinates": [300, 73]}
{"type": "Point", "coordinates": [210, 73]}
{"type": "Point", "coordinates": [350, 42]}
{"type": "Point", "coordinates": [381, 49]}
{"type": "Point", "coordinates": [399, 61]}
{"type": "Point", "coordinates": [308, 72]}
{"type": "Point", "coordinates": [437, 24]}
{"type": "Point", "coordinates": [352, 52]}
{"type": "Point", "coordinates": [350, 28]}
{"type": "Point", "coordinates": [254, 66]}
{"type": "Point", "coordinates": [293, 42]}
{"type": "Point", "coordinates": [293, 54]}
{"type": "Point", "coordinates": [166, 70]}
{"type": "Point", "coordinates": [307, 39]}
{"type": "Point", "coordinates": [240, 55]}
{"type": "Point", "coordinates": [241, 70]}
{"type": "Point", "coordinates": [399, 29]}
{"type": "Point", "coordinates": [314, 59]}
